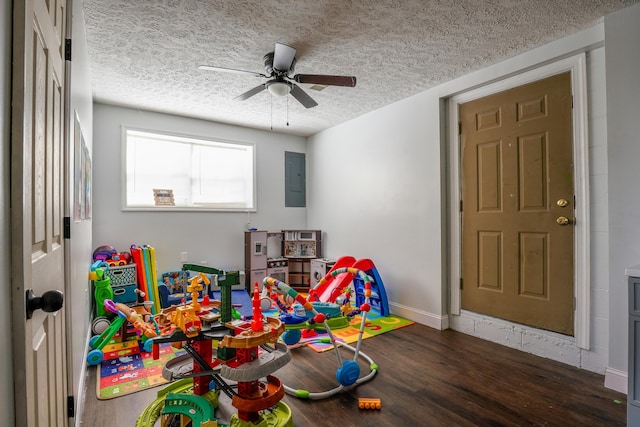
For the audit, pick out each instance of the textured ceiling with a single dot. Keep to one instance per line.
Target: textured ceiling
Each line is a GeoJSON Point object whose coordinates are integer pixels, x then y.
{"type": "Point", "coordinates": [145, 53]}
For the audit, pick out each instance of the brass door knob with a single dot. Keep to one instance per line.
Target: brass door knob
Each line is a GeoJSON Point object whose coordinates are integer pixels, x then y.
{"type": "Point", "coordinates": [563, 220]}
{"type": "Point", "coordinates": [562, 202]}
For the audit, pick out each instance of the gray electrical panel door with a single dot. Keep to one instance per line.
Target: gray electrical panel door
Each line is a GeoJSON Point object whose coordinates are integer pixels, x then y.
{"type": "Point", "coordinates": [295, 195]}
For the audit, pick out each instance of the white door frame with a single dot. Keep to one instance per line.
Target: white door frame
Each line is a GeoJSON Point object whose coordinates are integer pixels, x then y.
{"type": "Point", "coordinates": [582, 286]}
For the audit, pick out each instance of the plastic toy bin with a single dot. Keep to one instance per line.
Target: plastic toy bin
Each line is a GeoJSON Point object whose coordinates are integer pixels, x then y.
{"type": "Point", "coordinates": [123, 275]}
{"type": "Point", "coordinates": [125, 294]}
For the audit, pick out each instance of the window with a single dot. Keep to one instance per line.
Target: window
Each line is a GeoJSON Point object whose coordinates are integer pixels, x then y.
{"type": "Point", "coordinates": [188, 173]}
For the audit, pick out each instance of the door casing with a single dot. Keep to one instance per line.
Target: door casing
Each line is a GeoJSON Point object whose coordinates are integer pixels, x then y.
{"type": "Point", "coordinates": [577, 66]}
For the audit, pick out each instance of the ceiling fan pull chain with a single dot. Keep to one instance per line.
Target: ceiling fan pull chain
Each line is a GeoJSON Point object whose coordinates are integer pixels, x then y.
{"type": "Point", "coordinates": [287, 111]}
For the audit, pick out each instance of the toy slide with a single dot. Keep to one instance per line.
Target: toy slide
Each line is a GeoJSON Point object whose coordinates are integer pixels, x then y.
{"type": "Point", "coordinates": [325, 289]}
{"type": "Point", "coordinates": [362, 264]}
{"type": "Point", "coordinates": [328, 290]}
{"type": "Point", "coordinates": [378, 298]}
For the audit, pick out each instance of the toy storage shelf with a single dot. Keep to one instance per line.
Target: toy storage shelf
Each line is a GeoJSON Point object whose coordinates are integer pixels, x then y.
{"type": "Point", "coordinates": [300, 247]}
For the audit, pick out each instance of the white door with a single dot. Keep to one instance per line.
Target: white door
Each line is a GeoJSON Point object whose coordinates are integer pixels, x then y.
{"type": "Point", "coordinates": [37, 198]}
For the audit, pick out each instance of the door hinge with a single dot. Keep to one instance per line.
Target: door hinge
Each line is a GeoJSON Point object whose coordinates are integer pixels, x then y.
{"type": "Point", "coordinates": [460, 205]}
{"type": "Point", "coordinates": [459, 128]}
{"type": "Point", "coordinates": [461, 283]}
{"type": "Point", "coordinates": [71, 407]}
{"type": "Point", "coordinates": [67, 49]}
{"type": "Point", "coordinates": [67, 227]}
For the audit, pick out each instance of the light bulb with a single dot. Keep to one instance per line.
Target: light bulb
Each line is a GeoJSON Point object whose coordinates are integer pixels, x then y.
{"type": "Point", "coordinates": [279, 88]}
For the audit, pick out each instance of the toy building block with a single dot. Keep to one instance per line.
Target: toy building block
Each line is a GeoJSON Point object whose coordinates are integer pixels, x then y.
{"type": "Point", "coordinates": [369, 403]}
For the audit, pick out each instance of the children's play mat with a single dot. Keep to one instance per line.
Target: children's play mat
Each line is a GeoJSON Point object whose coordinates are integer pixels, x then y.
{"type": "Point", "coordinates": [125, 369]}
{"type": "Point", "coordinates": [374, 325]}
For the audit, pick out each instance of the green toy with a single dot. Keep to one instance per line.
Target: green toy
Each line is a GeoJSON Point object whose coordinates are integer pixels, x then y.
{"type": "Point", "coordinates": [103, 290]}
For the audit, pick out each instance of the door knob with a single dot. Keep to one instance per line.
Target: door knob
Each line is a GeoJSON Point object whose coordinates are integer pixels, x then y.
{"type": "Point", "coordinates": [563, 220]}
{"type": "Point", "coordinates": [50, 302]}
{"type": "Point", "coordinates": [562, 202]}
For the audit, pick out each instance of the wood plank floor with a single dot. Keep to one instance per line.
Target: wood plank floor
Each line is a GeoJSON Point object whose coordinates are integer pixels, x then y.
{"type": "Point", "coordinates": [426, 378]}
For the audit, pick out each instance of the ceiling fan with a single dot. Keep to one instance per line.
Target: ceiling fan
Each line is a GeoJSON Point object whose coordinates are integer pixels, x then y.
{"type": "Point", "coordinates": [279, 65]}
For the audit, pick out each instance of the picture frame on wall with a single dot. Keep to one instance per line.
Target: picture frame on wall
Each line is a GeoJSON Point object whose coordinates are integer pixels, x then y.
{"type": "Point", "coordinates": [81, 174]}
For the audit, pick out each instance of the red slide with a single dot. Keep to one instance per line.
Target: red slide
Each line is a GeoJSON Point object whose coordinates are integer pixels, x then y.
{"type": "Point", "coordinates": [325, 289]}
{"type": "Point", "coordinates": [329, 291]}
{"type": "Point", "coordinates": [343, 280]}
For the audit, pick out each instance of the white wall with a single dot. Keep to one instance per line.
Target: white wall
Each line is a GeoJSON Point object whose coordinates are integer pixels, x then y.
{"type": "Point", "coordinates": [6, 379]}
{"type": "Point", "coordinates": [623, 112]}
{"type": "Point", "coordinates": [383, 199]}
{"type": "Point", "coordinates": [216, 238]}
{"type": "Point", "coordinates": [380, 199]}
{"type": "Point", "coordinates": [78, 248]}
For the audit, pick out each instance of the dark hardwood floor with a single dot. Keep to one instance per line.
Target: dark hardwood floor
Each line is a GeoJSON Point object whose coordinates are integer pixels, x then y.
{"type": "Point", "coordinates": [426, 378]}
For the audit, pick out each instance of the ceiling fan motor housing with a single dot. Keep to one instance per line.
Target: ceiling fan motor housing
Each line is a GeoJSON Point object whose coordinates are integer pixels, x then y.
{"type": "Point", "coordinates": [268, 66]}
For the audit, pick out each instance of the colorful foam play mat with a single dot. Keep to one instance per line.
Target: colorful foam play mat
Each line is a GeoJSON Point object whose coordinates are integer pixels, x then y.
{"type": "Point", "coordinates": [126, 369]}
{"type": "Point", "coordinates": [344, 331]}
{"type": "Point", "coordinates": [374, 325]}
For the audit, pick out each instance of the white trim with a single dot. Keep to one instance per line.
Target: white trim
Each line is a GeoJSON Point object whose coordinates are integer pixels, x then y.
{"type": "Point", "coordinates": [440, 322]}
{"type": "Point", "coordinates": [616, 380]}
{"type": "Point", "coordinates": [582, 251]}
{"type": "Point", "coordinates": [81, 397]}
{"type": "Point", "coordinates": [577, 66]}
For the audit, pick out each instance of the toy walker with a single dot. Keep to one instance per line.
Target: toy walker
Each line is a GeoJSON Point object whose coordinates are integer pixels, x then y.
{"type": "Point", "coordinates": [348, 372]}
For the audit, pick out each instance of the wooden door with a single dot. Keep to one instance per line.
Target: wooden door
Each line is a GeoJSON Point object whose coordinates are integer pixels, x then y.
{"type": "Point", "coordinates": [517, 188]}
{"type": "Point", "coordinates": [37, 244]}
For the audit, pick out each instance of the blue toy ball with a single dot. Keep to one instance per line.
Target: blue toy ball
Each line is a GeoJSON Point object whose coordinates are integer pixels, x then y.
{"type": "Point", "coordinates": [291, 337]}
{"type": "Point", "coordinates": [349, 373]}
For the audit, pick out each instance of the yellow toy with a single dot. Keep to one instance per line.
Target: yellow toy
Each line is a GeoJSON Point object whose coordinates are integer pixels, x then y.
{"type": "Point", "coordinates": [369, 403]}
{"type": "Point", "coordinates": [195, 286]}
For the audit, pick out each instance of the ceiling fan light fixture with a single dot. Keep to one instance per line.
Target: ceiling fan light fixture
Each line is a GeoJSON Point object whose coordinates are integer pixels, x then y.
{"type": "Point", "coordinates": [279, 88]}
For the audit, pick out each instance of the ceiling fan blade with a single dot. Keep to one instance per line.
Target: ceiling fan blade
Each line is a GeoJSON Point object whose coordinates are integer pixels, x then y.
{"type": "Point", "coordinates": [302, 97]}
{"type": "Point", "coordinates": [230, 70]}
{"type": "Point", "coordinates": [321, 79]}
{"type": "Point", "coordinates": [283, 57]}
{"type": "Point", "coordinates": [248, 94]}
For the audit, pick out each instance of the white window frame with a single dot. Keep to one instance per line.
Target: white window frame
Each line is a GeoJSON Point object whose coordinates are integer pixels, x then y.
{"type": "Point", "coordinates": [251, 206]}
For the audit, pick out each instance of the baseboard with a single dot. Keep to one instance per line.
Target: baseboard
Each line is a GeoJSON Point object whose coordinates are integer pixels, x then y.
{"type": "Point", "coordinates": [79, 409]}
{"type": "Point", "coordinates": [616, 380]}
{"type": "Point", "coordinates": [424, 318]}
